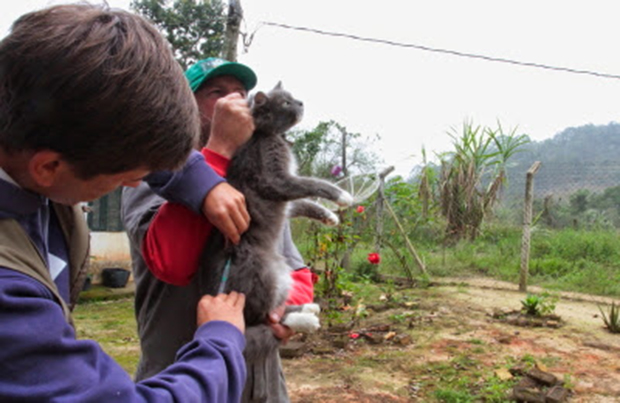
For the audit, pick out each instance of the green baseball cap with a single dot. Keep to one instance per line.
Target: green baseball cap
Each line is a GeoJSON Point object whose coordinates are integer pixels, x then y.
{"type": "Point", "coordinates": [205, 69]}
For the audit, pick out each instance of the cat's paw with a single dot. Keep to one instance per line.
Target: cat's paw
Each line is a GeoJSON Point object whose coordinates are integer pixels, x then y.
{"type": "Point", "coordinates": [302, 322]}
{"type": "Point", "coordinates": [345, 199]}
{"type": "Point", "coordinates": [330, 219]}
{"type": "Point", "coordinates": [314, 309]}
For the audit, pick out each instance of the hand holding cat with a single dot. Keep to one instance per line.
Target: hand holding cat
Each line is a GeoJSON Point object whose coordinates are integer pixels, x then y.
{"type": "Point", "coordinates": [280, 331]}
{"type": "Point", "coordinates": [231, 126]}
{"type": "Point", "coordinates": [224, 206]}
{"type": "Point", "coordinates": [224, 307]}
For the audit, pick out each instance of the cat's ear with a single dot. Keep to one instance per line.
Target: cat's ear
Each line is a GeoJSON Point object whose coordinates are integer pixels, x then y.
{"type": "Point", "coordinates": [278, 86]}
{"type": "Point", "coordinates": [260, 98]}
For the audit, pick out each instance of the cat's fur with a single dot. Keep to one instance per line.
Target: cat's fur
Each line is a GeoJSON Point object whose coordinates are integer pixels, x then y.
{"type": "Point", "coordinates": [263, 170]}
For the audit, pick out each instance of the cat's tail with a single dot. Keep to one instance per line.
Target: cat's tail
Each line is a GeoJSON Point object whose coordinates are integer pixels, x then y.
{"type": "Point", "coordinates": [259, 343]}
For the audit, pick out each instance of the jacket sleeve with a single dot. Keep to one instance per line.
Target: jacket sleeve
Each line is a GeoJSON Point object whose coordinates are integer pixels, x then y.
{"type": "Point", "coordinates": [302, 291]}
{"type": "Point", "coordinates": [41, 359]}
{"type": "Point", "coordinates": [187, 186]}
{"type": "Point", "coordinates": [138, 207]}
{"type": "Point", "coordinates": [172, 242]}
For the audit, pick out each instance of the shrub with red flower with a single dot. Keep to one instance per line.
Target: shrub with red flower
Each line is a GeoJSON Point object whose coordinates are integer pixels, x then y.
{"type": "Point", "coordinates": [360, 209]}
{"type": "Point", "coordinates": [374, 258]}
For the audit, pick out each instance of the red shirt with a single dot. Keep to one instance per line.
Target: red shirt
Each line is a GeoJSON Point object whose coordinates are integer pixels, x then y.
{"type": "Point", "coordinates": [177, 235]}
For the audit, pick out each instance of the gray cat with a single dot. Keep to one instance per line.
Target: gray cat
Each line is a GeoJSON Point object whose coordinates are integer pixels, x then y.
{"type": "Point", "coordinates": [263, 169]}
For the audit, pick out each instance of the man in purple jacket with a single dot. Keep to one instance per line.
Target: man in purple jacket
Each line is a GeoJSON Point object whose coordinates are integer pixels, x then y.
{"type": "Point", "coordinates": [92, 99]}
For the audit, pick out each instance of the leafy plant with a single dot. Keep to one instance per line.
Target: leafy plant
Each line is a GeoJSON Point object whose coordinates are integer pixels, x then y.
{"type": "Point", "coordinates": [330, 246]}
{"type": "Point", "coordinates": [539, 305]}
{"type": "Point", "coordinates": [612, 318]}
{"type": "Point", "coordinates": [549, 303]}
{"type": "Point", "coordinates": [531, 305]}
{"type": "Point", "coordinates": [472, 177]}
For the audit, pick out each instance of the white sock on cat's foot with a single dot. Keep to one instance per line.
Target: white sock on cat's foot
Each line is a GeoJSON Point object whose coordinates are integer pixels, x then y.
{"type": "Point", "coordinates": [331, 219]}
{"type": "Point", "coordinates": [345, 199]}
{"type": "Point", "coordinates": [311, 308]}
{"type": "Point", "coordinates": [302, 322]}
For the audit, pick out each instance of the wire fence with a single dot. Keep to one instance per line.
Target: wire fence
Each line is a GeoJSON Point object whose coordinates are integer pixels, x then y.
{"type": "Point", "coordinates": [578, 194]}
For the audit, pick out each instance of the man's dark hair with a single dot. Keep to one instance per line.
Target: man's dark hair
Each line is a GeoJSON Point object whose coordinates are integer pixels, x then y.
{"type": "Point", "coordinates": [99, 86]}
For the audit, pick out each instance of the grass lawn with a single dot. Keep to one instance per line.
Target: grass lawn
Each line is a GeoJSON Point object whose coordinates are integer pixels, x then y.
{"type": "Point", "coordinates": [112, 324]}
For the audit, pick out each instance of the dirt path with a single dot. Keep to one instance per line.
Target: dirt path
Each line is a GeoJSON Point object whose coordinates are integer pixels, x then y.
{"type": "Point", "coordinates": [448, 325]}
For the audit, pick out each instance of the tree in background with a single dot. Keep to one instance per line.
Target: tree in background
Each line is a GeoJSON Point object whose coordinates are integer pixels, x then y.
{"type": "Point", "coordinates": [472, 176]}
{"type": "Point", "coordinates": [233, 27]}
{"type": "Point", "coordinates": [579, 201]}
{"type": "Point", "coordinates": [195, 29]}
{"type": "Point", "coordinates": [330, 145]}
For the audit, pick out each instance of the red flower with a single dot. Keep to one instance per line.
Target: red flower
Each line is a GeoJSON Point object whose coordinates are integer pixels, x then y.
{"type": "Point", "coordinates": [374, 258]}
{"type": "Point", "coordinates": [354, 335]}
{"type": "Point", "coordinates": [360, 209]}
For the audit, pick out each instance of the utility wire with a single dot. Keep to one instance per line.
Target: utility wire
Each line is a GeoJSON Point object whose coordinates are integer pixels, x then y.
{"type": "Point", "coordinates": [445, 51]}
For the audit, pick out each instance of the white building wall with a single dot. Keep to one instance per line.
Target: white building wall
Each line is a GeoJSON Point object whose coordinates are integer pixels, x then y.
{"type": "Point", "coordinates": [108, 249]}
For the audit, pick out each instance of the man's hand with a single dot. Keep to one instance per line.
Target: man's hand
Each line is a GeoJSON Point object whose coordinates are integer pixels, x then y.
{"type": "Point", "coordinates": [279, 330]}
{"type": "Point", "coordinates": [225, 208]}
{"type": "Point", "coordinates": [231, 126]}
{"type": "Point", "coordinates": [226, 307]}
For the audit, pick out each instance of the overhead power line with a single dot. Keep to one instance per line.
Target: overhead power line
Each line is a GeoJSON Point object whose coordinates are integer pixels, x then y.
{"type": "Point", "coordinates": [445, 51]}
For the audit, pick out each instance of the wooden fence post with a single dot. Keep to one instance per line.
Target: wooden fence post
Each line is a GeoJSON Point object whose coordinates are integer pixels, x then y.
{"type": "Point", "coordinates": [527, 222]}
{"type": "Point", "coordinates": [379, 209]}
{"type": "Point", "coordinates": [412, 250]}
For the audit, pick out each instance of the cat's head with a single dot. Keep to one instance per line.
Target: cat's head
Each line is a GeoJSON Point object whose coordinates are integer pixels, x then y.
{"type": "Point", "coordinates": [276, 111]}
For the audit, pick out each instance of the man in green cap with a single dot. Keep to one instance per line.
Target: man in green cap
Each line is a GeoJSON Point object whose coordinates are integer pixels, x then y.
{"type": "Point", "coordinates": [167, 239]}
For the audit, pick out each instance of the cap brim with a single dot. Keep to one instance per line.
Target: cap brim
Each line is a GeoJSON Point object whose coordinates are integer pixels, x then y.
{"type": "Point", "coordinates": [241, 72]}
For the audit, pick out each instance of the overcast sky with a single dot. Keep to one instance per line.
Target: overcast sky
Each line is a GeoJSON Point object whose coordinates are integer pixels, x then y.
{"type": "Point", "coordinates": [411, 97]}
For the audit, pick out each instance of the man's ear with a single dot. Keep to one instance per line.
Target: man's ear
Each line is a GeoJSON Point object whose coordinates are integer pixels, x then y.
{"type": "Point", "coordinates": [45, 167]}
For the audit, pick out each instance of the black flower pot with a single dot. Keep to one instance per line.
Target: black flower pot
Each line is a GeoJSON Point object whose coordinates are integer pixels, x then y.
{"type": "Point", "coordinates": [87, 284]}
{"type": "Point", "coordinates": [114, 277]}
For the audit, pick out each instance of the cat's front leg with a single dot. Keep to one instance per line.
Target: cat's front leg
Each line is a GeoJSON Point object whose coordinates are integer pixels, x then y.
{"type": "Point", "coordinates": [345, 199]}
{"type": "Point", "coordinates": [329, 191]}
{"type": "Point", "coordinates": [309, 209]}
{"type": "Point", "coordinates": [287, 187]}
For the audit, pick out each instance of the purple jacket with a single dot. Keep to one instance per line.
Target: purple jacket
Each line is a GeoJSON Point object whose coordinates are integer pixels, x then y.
{"type": "Point", "coordinates": [41, 360]}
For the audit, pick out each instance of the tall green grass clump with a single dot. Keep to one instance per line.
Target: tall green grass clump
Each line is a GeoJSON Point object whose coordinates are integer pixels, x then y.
{"type": "Point", "coordinates": [577, 260]}
{"type": "Point", "coordinates": [495, 253]}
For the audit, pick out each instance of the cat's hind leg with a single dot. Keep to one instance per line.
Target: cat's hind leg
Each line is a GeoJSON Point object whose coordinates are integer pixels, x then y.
{"type": "Point", "coordinates": [259, 343]}
{"type": "Point", "coordinates": [309, 209]}
{"type": "Point", "coordinates": [302, 318]}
